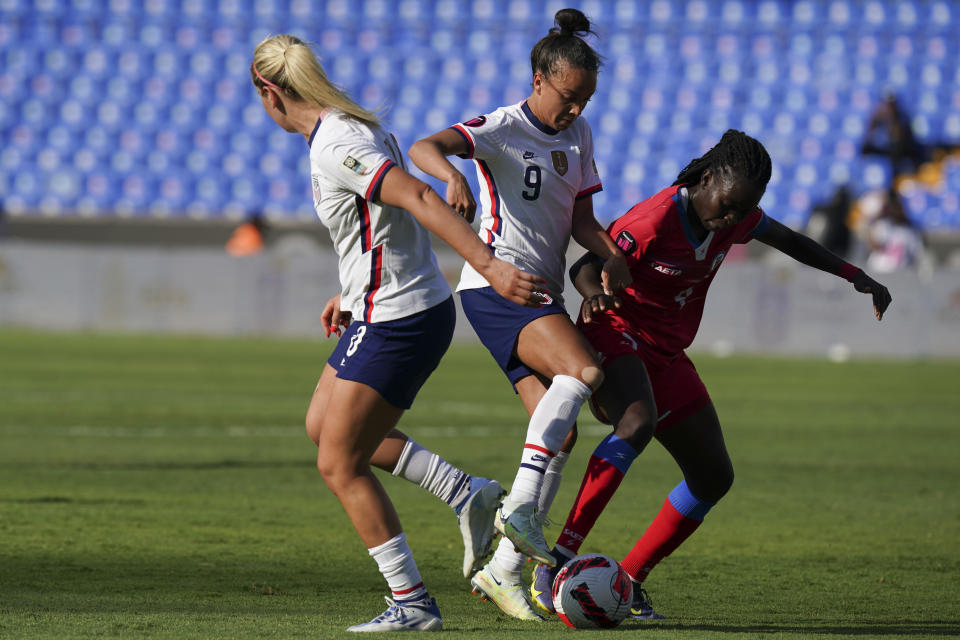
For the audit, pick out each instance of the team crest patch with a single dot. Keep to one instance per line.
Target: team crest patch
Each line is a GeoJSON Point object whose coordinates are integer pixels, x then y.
{"type": "Point", "coordinates": [479, 121]}
{"type": "Point", "coordinates": [559, 161]}
{"type": "Point", "coordinates": [626, 242]}
{"type": "Point", "coordinates": [355, 165]}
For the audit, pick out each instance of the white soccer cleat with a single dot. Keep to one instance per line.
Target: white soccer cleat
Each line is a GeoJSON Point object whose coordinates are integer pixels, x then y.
{"type": "Point", "coordinates": [511, 597]}
{"type": "Point", "coordinates": [419, 615]}
{"type": "Point", "coordinates": [476, 522]}
{"type": "Point", "coordinates": [523, 527]}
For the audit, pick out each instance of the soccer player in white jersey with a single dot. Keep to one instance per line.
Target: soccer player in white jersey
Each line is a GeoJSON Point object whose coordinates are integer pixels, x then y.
{"type": "Point", "coordinates": [396, 313]}
{"type": "Point", "coordinates": [535, 165]}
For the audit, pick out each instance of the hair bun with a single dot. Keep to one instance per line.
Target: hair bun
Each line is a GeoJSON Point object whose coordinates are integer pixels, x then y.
{"type": "Point", "coordinates": [571, 22]}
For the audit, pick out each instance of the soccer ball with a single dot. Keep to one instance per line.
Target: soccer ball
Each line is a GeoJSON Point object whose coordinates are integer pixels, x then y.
{"type": "Point", "coordinates": [592, 591]}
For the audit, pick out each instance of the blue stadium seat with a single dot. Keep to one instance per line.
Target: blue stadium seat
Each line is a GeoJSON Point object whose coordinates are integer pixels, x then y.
{"type": "Point", "coordinates": [804, 76]}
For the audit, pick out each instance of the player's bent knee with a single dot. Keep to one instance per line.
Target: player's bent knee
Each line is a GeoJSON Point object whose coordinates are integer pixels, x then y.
{"type": "Point", "coordinates": [333, 475]}
{"type": "Point", "coordinates": [723, 478]}
{"type": "Point", "coordinates": [330, 465]}
{"type": "Point", "coordinates": [715, 484]}
{"type": "Point", "coordinates": [636, 427]}
{"type": "Point", "coordinates": [592, 376]}
{"type": "Point", "coordinates": [724, 482]}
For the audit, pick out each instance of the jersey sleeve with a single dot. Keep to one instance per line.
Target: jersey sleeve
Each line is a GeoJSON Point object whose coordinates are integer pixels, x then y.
{"type": "Point", "coordinates": [484, 136]}
{"type": "Point", "coordinates": [634, 231]}
{"type": "Point", "coordinates": [756, 224]}
{"type": "Point", "coordinates": [590, 177]}
{"type": "Point", "coordinates": [356, 165]}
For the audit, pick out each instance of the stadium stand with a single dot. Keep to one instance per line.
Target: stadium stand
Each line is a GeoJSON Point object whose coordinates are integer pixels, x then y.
{"type": "Point", "coordinates": [143, 109]}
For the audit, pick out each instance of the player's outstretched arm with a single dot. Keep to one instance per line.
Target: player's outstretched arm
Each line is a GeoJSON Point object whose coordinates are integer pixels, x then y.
{"type": "Point", "coordinates": [430, 155]}
{"type": "Point", "coordinates": [402, 190]}
{"type": "Point", "coordinates": [810, 252]}
{"type": "Point", "coordinates": [586, 275]}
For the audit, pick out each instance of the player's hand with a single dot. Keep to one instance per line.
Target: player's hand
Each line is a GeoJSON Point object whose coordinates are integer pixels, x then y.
{"type": "Point", "coordinates": [333, 317]}
{"type": "Point", "coordinates": [460, 198]}
{"type": "Point", "coordinates": [615, 275]}
{"type": "Point", "coordinates": [516, 285]}
{"type": "Point", "coordinates": [598, 303]}
{"type": "Point", "coordinates": [881, 297]}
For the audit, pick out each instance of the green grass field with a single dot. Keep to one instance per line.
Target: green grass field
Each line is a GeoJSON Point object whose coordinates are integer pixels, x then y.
{"type": "Point", "coordinates": [164, 488]}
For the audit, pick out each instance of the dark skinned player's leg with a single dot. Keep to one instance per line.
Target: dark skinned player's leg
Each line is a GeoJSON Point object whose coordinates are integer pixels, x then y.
{"type": "Point", "coordinates": [696, 443]}
{"type": "Point", "coordinates": [627, 400]}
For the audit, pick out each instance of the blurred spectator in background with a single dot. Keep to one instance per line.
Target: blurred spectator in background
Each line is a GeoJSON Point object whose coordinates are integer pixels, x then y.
{"type": "Point", "coordinates": [247, 239]}
{"type": "Point", "coordinates": [828, 222]}
{"type": "Point", "coordinates": [889, 133]}
{"type": "Point", "coordinates": [893, 241]}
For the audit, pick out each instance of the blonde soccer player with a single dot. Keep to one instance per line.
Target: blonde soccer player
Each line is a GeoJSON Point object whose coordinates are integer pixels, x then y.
{"type": "Point", "coordinates": [395, 313]}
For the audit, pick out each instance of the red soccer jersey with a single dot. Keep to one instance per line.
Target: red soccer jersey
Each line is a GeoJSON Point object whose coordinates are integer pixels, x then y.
{"type": "Point", "coordinates": [671, 270]}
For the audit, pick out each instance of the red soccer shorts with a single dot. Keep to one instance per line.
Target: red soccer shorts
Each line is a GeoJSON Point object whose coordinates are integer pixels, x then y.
{"type": "Point", "coordinates": [677, 388]}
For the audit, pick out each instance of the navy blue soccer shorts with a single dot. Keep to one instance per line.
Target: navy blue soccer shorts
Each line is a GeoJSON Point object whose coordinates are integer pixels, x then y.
{"type": "Point", "coordinates": [396, 357]}
{"type": "Point", "coordinates": [498, 322]}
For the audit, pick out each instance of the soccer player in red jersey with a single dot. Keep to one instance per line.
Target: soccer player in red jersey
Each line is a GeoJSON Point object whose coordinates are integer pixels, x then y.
{"type": "Point", "coordinates": [674, 242]}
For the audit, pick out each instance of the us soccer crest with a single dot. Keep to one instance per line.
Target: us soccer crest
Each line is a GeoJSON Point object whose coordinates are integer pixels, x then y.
{"type": "Point", "coordinates": [559, 161]}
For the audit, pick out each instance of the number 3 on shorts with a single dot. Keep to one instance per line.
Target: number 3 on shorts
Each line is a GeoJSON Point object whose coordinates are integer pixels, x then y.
{"type": "Point", "coordinates": [355, 340]}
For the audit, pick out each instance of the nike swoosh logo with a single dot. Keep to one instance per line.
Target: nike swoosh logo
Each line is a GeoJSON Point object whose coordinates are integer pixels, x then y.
{"type": "Point", "coordinates": [528, 154]}
{"type": "Point", "coordinates": [494, 578]}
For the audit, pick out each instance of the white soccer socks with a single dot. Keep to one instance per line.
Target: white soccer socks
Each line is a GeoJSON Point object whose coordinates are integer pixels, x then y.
{"type": "Point", "coordinates": [396, 564]}
{"type": "Point", "coordinates": [549, 425]}
{"type": "Point", "coordinates": [428, 470]}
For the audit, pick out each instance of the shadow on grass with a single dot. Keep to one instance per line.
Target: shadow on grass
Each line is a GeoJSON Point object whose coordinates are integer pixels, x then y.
{"type": "Point", "coordinates": [67, 500]}
{"type": "Point", "coordinates": [869, 629]}
{"type": "Point", "coordinates": [200, 465]}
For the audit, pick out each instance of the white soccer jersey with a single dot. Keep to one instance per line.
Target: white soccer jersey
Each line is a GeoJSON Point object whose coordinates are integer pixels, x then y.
{"type": "Point", "coordinates": [530, 177]}
{"type": "Point", "coordinates": [387, 268]}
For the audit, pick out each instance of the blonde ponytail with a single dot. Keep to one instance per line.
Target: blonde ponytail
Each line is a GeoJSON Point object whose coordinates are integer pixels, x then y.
{"type": "Point", "coordinates": [289, 64]}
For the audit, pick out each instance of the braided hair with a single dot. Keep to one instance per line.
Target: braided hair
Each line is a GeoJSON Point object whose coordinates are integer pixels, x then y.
{"type": "Point", "coordinates": [564, 45]}
{"type": "Point", "coordinates": [736, 152]}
